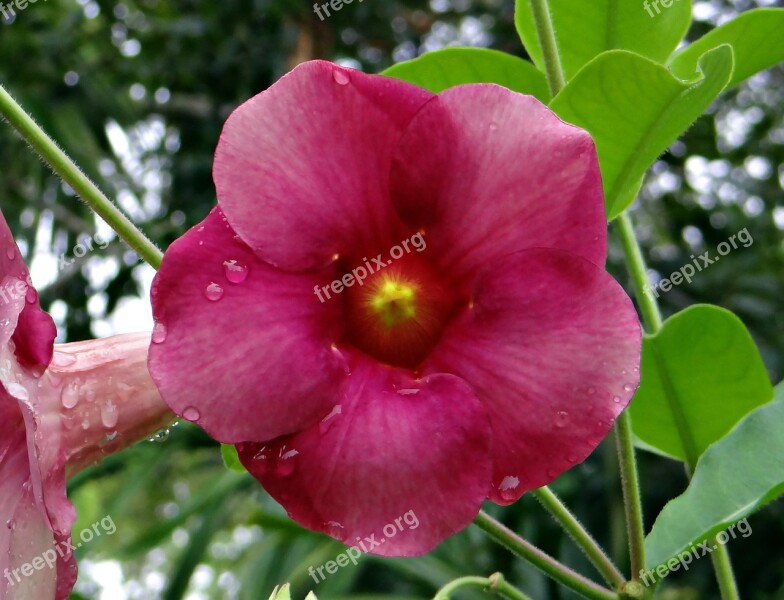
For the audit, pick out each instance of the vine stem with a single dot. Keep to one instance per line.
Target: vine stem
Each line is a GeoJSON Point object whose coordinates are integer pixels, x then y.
{"type": "Point", "coordinates": [649, 308]}
{"type": "Point", "coordinates": [495, 583]}
{"type": "Point", "coordinates": [581, 536]}
{"type": "Point", "coordinates": [62, 164]}
{"type": "Point", "coordinates": [728, 587]}
{"type": "Point", "coordinates": [546, 34]}
{"type": "Point", "coordinates": [545, 563]}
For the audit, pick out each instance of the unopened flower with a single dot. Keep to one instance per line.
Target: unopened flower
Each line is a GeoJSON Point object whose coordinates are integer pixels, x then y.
{"type": "Point", "coordinates": [481, 367]}
{"type": "Point", "coordinates": [61, 408]}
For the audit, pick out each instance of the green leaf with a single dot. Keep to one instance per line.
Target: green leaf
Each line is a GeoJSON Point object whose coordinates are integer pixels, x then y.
{"type": "Point", "coordinates": [231, 459]}
{"type": "Point", "coordinates": [736, 476]}
{"type": "Point", "coordinates": [635, 109]}
{"type": "Point", "coordinates": [442, 69]}
{"type": "Point", "coordinates": [585, 29]}
{"type": "Point", "coordinates": [756, 38]}
{"type": "Point", "coordinates": [701, 374]}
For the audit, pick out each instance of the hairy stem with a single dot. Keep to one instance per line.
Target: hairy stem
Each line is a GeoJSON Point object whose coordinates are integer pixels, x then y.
{"type": "Point", "coordinates": [61, 164]}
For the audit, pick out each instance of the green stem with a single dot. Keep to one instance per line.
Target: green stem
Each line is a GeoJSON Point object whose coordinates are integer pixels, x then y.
{"type": "Point", "coordinates": [724, 574]}
{"type": "Point", "coordinates": [653, 321]}
{"type": "Point", "coordinates": [494, 583]}
{"type": "Point", "coordinates": [630, 483]}
{"type": "Point", "coordinates": [81, 184]}
{"type": "Point", "coordinates": [580, 535]}
{"type": "Point", "coordinates": [552, 60]}
{"type": "Point", "coordinates": [639, 272]}
{"type": "Point", "coordinates": [547, 564]}
{"type": "Point", "coordinates": [630, 479]}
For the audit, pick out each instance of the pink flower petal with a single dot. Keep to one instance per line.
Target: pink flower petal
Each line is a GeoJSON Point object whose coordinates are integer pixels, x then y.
{"type": "Point", "coordinates": [302, 169]}
{"type": "Point", "coordinates": [247, 361]}
{"type": "Point", "coordinates": [25, 536]}
{"type": "Point", "coordinates": [34, 331]}
{"type": "Point", "coordinates": [394, 446]}
{"type": "Point", "coordinates": [552, 347]}
{"type": "Point", "coordinates": [487, 172]}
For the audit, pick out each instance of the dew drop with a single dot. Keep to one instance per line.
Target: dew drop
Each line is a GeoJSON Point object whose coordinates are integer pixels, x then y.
{"type": "Point", "coordinates": [286, 462]}
{"type": "Point", "coordinates": [628, 387]}
{"type": "Point", "coordinates": [191, 414]}
{"type": "Point", "coordinates": [109, 415]}
{"type": "Point", "coordinates": [86, 424]}
{"type": "Point", "coordinates": [70, 395]}
{"type": "Point", "coordinates": [214, 292]}
{"type": "Point", "coordinates": [161, 436]}
{"type": "Point", "coordinates": [159, 333]}
{"type": "Point", "coordinates": [63, 359]}
{"type": "Point", "coordinates": [341, 77]}
{"type": "Point", "coordinates": [10, 524]}
{"type": "Point", "coordinates": [409, 392]}
{"type": "Point", "coordinates": [493, 126]}
{"type": "Point", "coordinates": [571, 458]}
{"type": "Point", "coordinates": [10, 253]}
{"type": "Point", "coordinates": [31, 296]}
{"type": "Point", "coordinates": [262, 461]}
{"type": "Point", "coordinates": [561, 419]}
{"type": "Point", "coordinates": [328, 421]}
{"type": "Point", "coordinates": [235, 272]}
{"type": "Point", "coordinates": [508, 486]}
{"type": "Point", "coordinates": [617, 399]}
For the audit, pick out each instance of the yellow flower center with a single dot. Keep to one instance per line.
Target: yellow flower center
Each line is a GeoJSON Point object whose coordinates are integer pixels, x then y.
{"type": "Point", "coordinates": [394, 302]}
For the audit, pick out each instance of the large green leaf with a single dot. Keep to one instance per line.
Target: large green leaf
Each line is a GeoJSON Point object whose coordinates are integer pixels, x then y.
{"type": "Point", "coordinates": [737, 475]}
{"type": "Point", "coordinates": [585, 29]}
{"type": "Point", "coordinates": [701, 374]}
{"type": "Point", "coordinates": [635, 109]}
{"type": "Point", "coordinates": [756, 37]}
{"type": "Point", "coordinates": [442, 69]}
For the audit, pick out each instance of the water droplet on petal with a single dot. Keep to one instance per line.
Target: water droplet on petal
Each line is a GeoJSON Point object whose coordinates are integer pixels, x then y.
{"type": "Point", "coordinates": [561, 419]}
{"type": "Point", "coordinates": [617, 399]}
{"type": "Point", "coordinates": [262, 460]}
{"type": "Point", "coordinates": [70, 395]}
{"type": "Point", "coordinates": [109, 415]}
{"type": "Point", "coordinates": [571, 458]}
{"type": "Point", "coordinates": [159, 333]}
{"type": "Point", "coordinates": [214, 292]}
{"type": "Point", "coordinates": [191, 414]}
{"type": "Point", "coordinates": [63, 359]}
{"type": "Point", "coordinates": [235, 272]}
{"type": "Point", "coordinates": [508, 486]}
{"type": "Point", "coordinates": [10, 524]}
{"type": "Point", "coordinates": [10, 252]}
{"type": "Point", "coordinates": [334, 528]}
{"type": "Point", "coordinates": [286, 462]}
{"type": "Point", "coordinates": [408, 392]}
{"type": "Point", "coordinates": [31, 295]}
{"type": "Point", "coordinates": [341, 77]}
{"type": "Point", "coordinates": [493, 126]}
{"type": "Point", "coordinates": [328, 421]}
{"type": "Point", "coordinates": [628, 387]}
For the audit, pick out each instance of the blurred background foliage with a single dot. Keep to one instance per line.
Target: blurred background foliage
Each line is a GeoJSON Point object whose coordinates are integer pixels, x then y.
{"type": "Point", "coordinates": [137, 90]}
